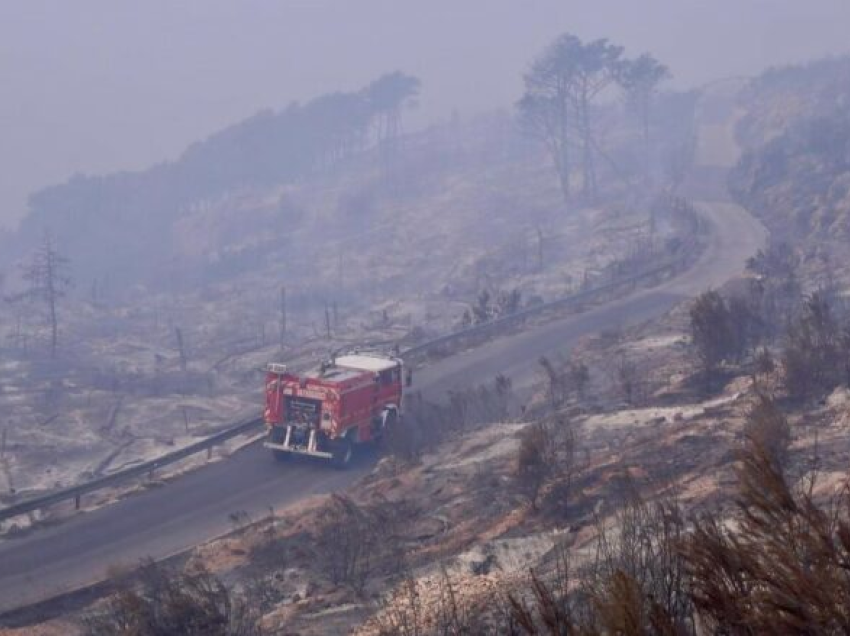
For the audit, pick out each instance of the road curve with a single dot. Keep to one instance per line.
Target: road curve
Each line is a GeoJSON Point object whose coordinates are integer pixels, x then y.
{"type": "Point", "coordinates": [734, 236]}
{"type": "Point", "coordinates": [196, 507]}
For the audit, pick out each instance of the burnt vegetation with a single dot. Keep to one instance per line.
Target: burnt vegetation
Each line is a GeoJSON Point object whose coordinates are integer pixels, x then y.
{"type": "Point", "coordinates": [131, 212]}
{"type": "Point", "coordinates": [47, 280]}
{"type": "Point", "coordinates": [427, 424]}
{"type": "Point", "coordinates": [155, 601]}
{"type": "Point", "coordinates": [560, 106]}
{"type": "Point", "coordinates": [774, 563]}
{"type": "Point", "coordinates": [797, 180]}
{"type": "Point", "coordinates": [772, 326]}
{"type": "Point", "coordinates": [355, 542]}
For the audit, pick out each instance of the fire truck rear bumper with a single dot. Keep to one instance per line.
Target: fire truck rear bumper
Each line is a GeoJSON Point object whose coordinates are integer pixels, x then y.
{"type": "Point", "coordinates": [298, 450]}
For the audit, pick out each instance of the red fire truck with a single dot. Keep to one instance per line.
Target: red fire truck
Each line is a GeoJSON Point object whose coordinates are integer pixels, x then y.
{"type": "Point", "coordinates": [350, 399]}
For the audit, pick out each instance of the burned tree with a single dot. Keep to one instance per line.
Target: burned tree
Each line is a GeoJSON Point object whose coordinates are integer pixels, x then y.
{"type": "Point", "coordinates": [597, 64]}
{"type": "Point", "coordinates": [387, 98]}
{"type": "Point", "coordinates": [48, 281]}
{"type": "Point", "coordinates": [535, 460]}
{"type": "Point", "coordinates": [560, 89]}
{"type": "Point", "coordinates": [640, 79]}
{"type": "Point", "coordinates": [158, 601]}
{"type": "Point", "coordinates": [768, 432]}
{"type": "Point", "coordinates": [628, 379]}
{"type": "Point", "coordinates": [812, 359]}
{"type": "Point", "coordinates": [722, 330]}
{"type": "Point", "coordinates": [545, 113]}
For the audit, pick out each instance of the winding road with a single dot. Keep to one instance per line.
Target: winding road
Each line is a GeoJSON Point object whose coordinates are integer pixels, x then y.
{"type": "Point", "coordinates": [196, 507]}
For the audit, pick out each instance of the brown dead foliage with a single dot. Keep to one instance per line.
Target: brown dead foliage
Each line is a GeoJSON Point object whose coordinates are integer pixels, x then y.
{"type": "Point", "coordinates": [783, 569]}
{"type": "Point", "coordinates": [155, 601]}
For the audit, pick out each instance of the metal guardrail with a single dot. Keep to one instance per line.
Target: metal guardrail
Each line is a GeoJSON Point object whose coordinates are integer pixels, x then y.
{"type": "Point", "coordinates": [573, 299]}
{"type": "Point", "coordinates": [75, 492]}
{"type": "Point", "coordinates": [688, 251]}
{"type": "Point", "coordinates": [145, 468]}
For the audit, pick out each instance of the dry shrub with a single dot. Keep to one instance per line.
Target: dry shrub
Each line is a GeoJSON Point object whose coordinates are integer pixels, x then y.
{"type": "Point", "coordinates": [764, 366]}
{"type": "Point", "coordinates": [711, 330]}
{"type": "Point", "coordinates": [725, 329]}
{"type": "Point", "coordinates": [535, 460]}
{"type": "Point", "coordinates": [426, 424]}
{"type": "Point", "coordinates": [638, 579]}
{"type": "Point", "coordinates": [355, 542]}
{"type": "Point", "coordinates": [156, 602]}
{"type": "Point", "coordinates": [347, 540]}
{"type": "Point", "coordinates": [783, 569]}
{"type": "Point", "coordinates": [546, 456]}
{"type": "Point", "coordinates": [402, 613]}
{"type": "Point", "coordinates": [636, 584]}
{"type": "Point", "coordinates": [563, 379]}
{"type": "Point", "coordinates": [629, 380]}
{"type": "Point", "coordinates": [269, 555]}
{"type": "Point", "coordinates": [548, 605]}
{"type": "Point", "coordinates": [767, 429]}
{"type": "Point", "coordinates": [779, 565]}
{"type": "Point", "coordinates": [814, 355]}
{"type": "Point", "coordinates": [409, 612]}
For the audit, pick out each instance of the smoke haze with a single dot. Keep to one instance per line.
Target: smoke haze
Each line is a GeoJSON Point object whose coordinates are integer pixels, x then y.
{"type": "Point", "coordinates": [95, 86]}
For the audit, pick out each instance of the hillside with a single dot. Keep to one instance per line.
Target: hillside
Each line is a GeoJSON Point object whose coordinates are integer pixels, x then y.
{"type": "Point", "coordinates": [795, 171]}
{"type": "Point", "coordinates": [120, 225]}
{"type": "Point", "coordinates": [656, 495]}
{"type": "Point", "coordinates": [467, 218]}
{"type": "Point", "coordinates": [479, 511]}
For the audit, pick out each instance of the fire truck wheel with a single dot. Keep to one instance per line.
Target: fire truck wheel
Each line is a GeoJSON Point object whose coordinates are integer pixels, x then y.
{"type": "Point", "coordinates": [343, 452]}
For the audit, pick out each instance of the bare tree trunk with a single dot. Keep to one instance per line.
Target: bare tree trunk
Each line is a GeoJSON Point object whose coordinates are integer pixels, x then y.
{"type": "Point", "coordinates": [282, 316]}
{"type": "Point", "coordinates": [54, 327]}
{"type": "Point", "coordinates": [589, 169]}
{"type": "Point", "coordinates": [388, 140]}
{"type": "Point", "coordinates": [327, 322]}
{"type": "Point", "coordinates": [50, 282]}
{"type": "Point", "coordinates": [562, 158]}
{"type": "Point", "coordinates": [181, 348]}
{"type": "Point", "coordinates": [643, 111]}
{"type": "Point", "coordinates": [339, 270]}
{"type": "Point", "coordinates": [47, 284]}
{"type": "Point", "coordinates": [539, 249]}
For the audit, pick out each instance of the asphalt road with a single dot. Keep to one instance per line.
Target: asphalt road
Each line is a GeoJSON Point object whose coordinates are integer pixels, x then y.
{"type": "Point", "coordinates": [196, 507]}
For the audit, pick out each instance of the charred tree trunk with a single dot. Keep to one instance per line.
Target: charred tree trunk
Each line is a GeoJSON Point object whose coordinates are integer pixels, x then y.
{"type": "Point", "coordinates": [588, 166]}
{"type": "Point", "coordinates": [181, 349]}
{"type": "Point", "coordinates": [282, 335]}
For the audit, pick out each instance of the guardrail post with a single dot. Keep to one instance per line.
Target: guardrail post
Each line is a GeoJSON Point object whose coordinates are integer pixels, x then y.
{"type": "Point", "coordinates": [209, 453]}
{"type": "Point", "coordinates": [76, 502]}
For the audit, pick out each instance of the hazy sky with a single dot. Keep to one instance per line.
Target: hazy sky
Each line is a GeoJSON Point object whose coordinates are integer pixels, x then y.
{"type": "Point", "coordinates": [100, 85]}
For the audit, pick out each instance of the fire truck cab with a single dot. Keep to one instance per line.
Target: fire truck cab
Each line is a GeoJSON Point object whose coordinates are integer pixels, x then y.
{"type": "Point", "coordinates": [349, 400]}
